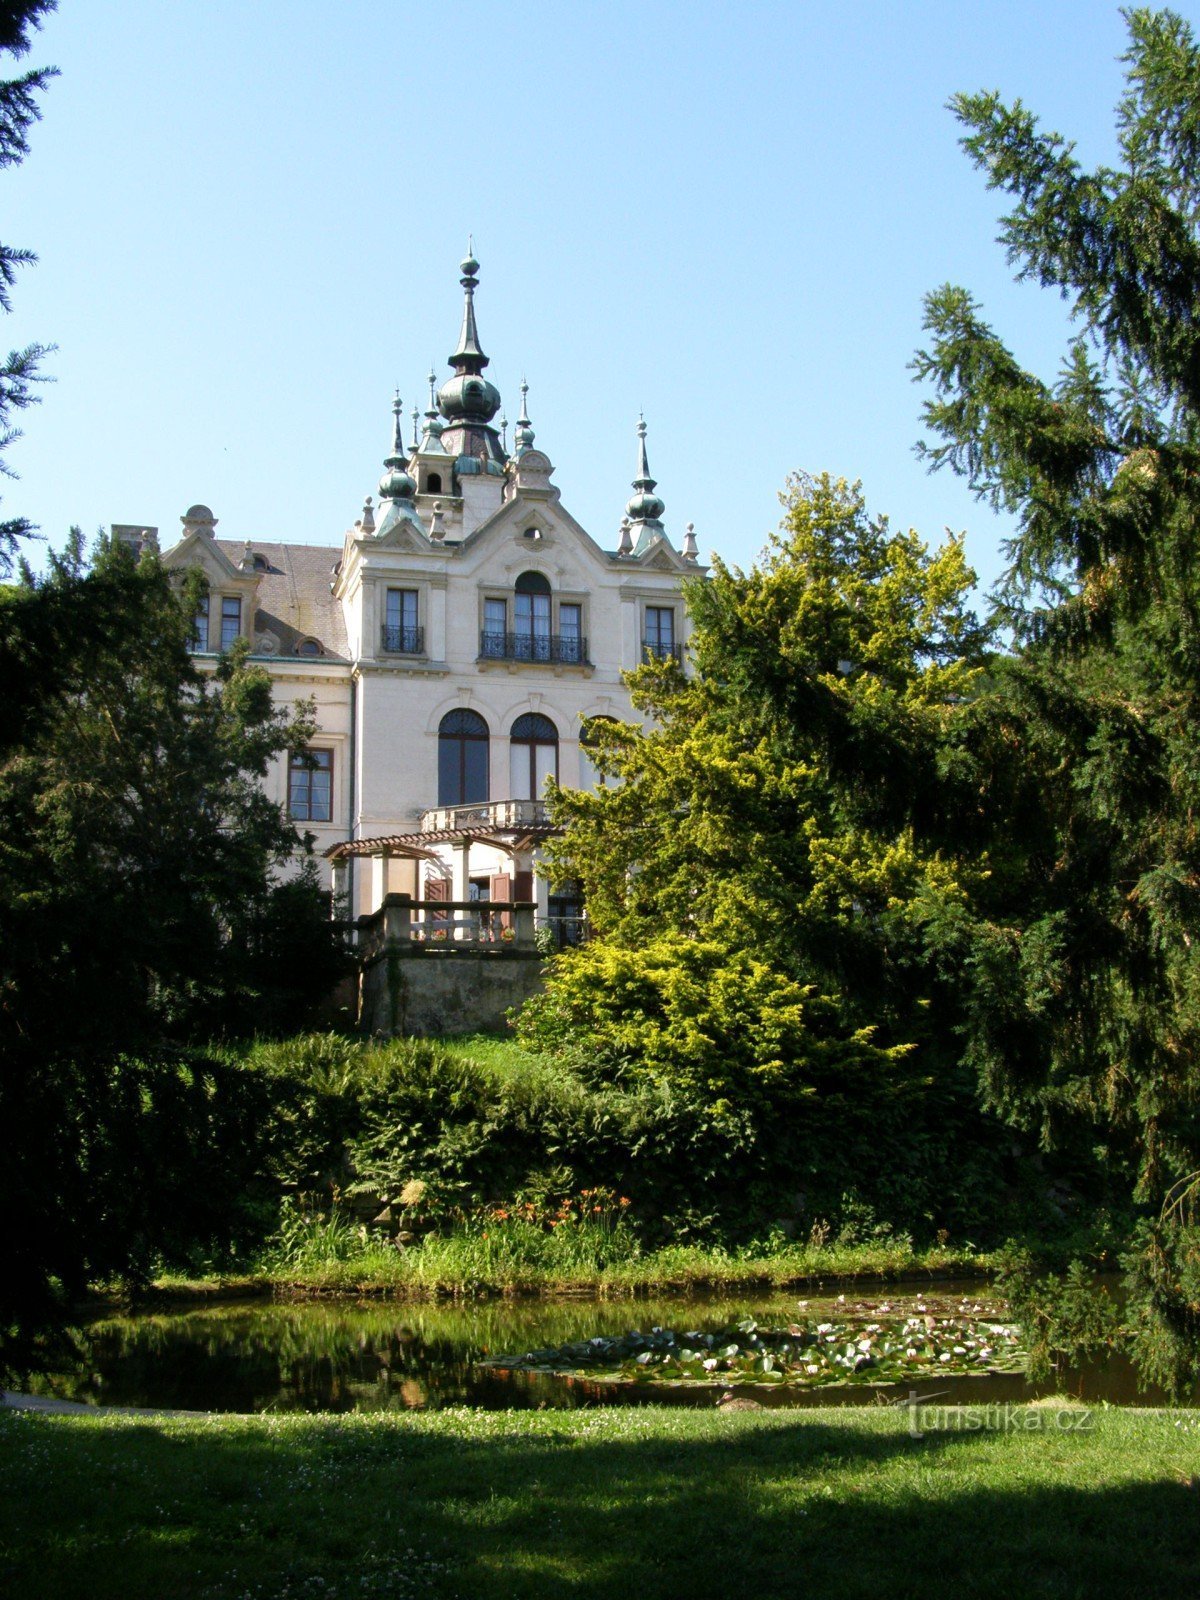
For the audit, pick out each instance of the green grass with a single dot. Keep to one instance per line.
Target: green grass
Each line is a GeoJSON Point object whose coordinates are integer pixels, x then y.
{"type": "Point", "coordinates": [561, 1263]}
{"type": "Point", "coordinates": [657, 1503]}
{"type": "Point", "coordinates": [579, 1260]}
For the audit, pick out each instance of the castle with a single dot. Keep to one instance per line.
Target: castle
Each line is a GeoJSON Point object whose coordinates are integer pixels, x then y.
{"type": "Point", "coordinates": [457, 645]}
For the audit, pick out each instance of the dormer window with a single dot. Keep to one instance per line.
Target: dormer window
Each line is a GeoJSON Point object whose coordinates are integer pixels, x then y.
{"type": "Point", "coordinates": [261, 564]}
{"type": "Point", "coordinates": [309, 647]}
{"type": "Point", "coordinates": [231, 620]}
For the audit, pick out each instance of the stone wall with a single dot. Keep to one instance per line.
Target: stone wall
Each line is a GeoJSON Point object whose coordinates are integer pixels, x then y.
{"type": "Point", "coordinates": [428, 993]}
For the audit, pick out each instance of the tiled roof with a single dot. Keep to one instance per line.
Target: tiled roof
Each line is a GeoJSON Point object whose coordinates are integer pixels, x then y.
{"type": "Point", "coordinates": [294, 601]}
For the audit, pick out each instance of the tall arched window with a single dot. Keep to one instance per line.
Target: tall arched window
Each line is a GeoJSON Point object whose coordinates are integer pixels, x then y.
{"type": "Point", "coordinates": [533, 756]}
{"type": "Point", "coordinates": [462, 759]}
{"type": "Point", "coordinates": [531, 617]}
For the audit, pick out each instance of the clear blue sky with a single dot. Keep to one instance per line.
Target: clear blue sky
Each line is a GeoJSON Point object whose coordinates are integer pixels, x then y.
{"type": "Point", "coordinates": [249, 220]}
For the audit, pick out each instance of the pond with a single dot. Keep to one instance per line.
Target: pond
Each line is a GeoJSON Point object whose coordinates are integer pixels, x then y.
{"type": "Point", "coordinates": [350, 1355]}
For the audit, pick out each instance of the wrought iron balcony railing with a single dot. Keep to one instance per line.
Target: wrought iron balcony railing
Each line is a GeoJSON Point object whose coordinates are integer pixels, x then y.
{"type": "Point", "coordinates": [653, 651]}
{"type": "Point", "coordinates": [403, 641]}
{"type": "Point", "coordinates": [557, 648]}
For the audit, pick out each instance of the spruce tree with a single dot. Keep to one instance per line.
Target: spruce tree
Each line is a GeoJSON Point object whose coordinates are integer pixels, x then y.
{"type": "Point", "coordinates": [1084, 965]}
{"type": "Point", "coordinates": [18, 111]}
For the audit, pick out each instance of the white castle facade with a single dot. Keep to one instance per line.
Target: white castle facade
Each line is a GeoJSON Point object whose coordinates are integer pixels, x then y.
{"type": "Point", "coordinates": [456, 645]}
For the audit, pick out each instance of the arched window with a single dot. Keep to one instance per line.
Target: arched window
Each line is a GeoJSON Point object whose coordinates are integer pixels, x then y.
{"type": "Point", "coordinates": [590, 776]}
{"type": "Point", "coordinates": [462, 759]}
{"type": "Point", "coordinates": [531, 617]}
{"type": "Point", "coordinates": [433, 483]}
{"type": "Point", "coordinates": [533, 756]}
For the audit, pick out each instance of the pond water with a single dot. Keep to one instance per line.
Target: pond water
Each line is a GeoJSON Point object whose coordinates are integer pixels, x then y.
{"type": "Point", "coordinates": [370, 1355]}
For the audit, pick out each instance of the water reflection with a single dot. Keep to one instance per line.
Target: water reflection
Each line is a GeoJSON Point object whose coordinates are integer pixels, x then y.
{"type": "Point", "coordinates": [345, 1356]}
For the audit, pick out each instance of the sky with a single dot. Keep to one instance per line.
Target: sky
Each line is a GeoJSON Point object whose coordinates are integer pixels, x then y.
{"type": "Point", "coordinates": [249, 220]}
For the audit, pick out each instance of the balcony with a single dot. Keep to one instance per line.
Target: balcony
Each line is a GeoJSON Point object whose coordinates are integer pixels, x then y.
{"type": "Point", "coordinates": [494, 816]}
{"type": "Point", "coordinates": [556, 649]}
{"type": "Point", "coordinates": [396, 641]}
{"type": "Point", "coordinates": [652, 650]}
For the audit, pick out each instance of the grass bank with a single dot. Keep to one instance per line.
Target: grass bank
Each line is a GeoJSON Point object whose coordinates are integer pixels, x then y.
{"type": "Point", "coordinates": [593, 1504]}
{"type": "Point", "coordinates": [514, 1260]}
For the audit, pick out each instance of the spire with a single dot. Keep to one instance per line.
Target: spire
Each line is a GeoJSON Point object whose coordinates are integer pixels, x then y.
{"type": "Point", "coordinates": [431, 439]}
{"type": "Point", "coordinates": [645, 508]}
{"type": "Point", "coordinates": [467, 400]}
{"type": "Point", "coordinates": [397, 426]}
{"type": "Point", "coordinates": [504, 433]}
{"type": "Point", "coordinates": [523, 438]}
{"type": "Point", "coordinates": [416, 439]}
{"type": "Point", "coordinates": [395, 485]}
{"type": "Point", "coordinates": [469, 357]}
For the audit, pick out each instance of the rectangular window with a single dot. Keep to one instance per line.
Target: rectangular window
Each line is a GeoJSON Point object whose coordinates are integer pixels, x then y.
{"type": "Point", "coordinates": [200, 627]}
{"type": "Point", "coordinates": [660, 631]}
{"type": "Point", "coordinates": [570, 629]}
{"type": "Point", "coordinates": [400, 630]}
{"type": "Point", "coordinates": [310, 786]}
{"type": "Point", "coordinates": [402, 608]}
{"type": "Point", "coordinates": [231, 619]}
{"type": "Point", "coordinates": [495, 626]}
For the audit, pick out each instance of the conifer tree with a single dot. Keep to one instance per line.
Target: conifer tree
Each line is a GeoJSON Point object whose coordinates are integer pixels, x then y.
{"type": "Point", "coordinates": [18, 111]}
{"type": "Point", "coordinates": [1085, 961]}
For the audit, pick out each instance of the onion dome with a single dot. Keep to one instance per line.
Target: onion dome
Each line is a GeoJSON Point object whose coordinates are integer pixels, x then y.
{"type": "Point", "coordinates": [468, 397]}
{"type": "Point", "coordinates": [396, 483]}
{"type": "Point", "coordinates": [645, 506]}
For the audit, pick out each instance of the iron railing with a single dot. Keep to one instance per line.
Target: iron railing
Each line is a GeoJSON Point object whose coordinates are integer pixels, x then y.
{"type": "Point", "coordinates": [403, 641]}
{"type": "Point", "coordinates": [557, 648]}
{"type": "Point", "coordinates": [653, 651]}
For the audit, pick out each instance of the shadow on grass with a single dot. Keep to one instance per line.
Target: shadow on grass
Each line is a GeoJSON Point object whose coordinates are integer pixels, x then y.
{"type": "Point", "coordinates": [596, 1506]}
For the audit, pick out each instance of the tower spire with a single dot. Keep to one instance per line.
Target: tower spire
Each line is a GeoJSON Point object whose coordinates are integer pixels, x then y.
{"type": "Point", "coordinates": [645, 509]}
{"type": "Point", "coordinates": [395, 485]}
{"type": "Point", "coordinates": [469, 356]}
{"type": "Point", "coordinates": [523, 437]}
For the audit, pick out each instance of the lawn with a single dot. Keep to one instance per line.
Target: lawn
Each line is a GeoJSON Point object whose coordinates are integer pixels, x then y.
{"type": "Point", "coordinates": [650, 1502]}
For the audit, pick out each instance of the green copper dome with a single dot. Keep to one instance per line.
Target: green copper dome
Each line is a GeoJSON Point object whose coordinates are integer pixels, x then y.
{"type": "Point", "coordinates": [468, 397]}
